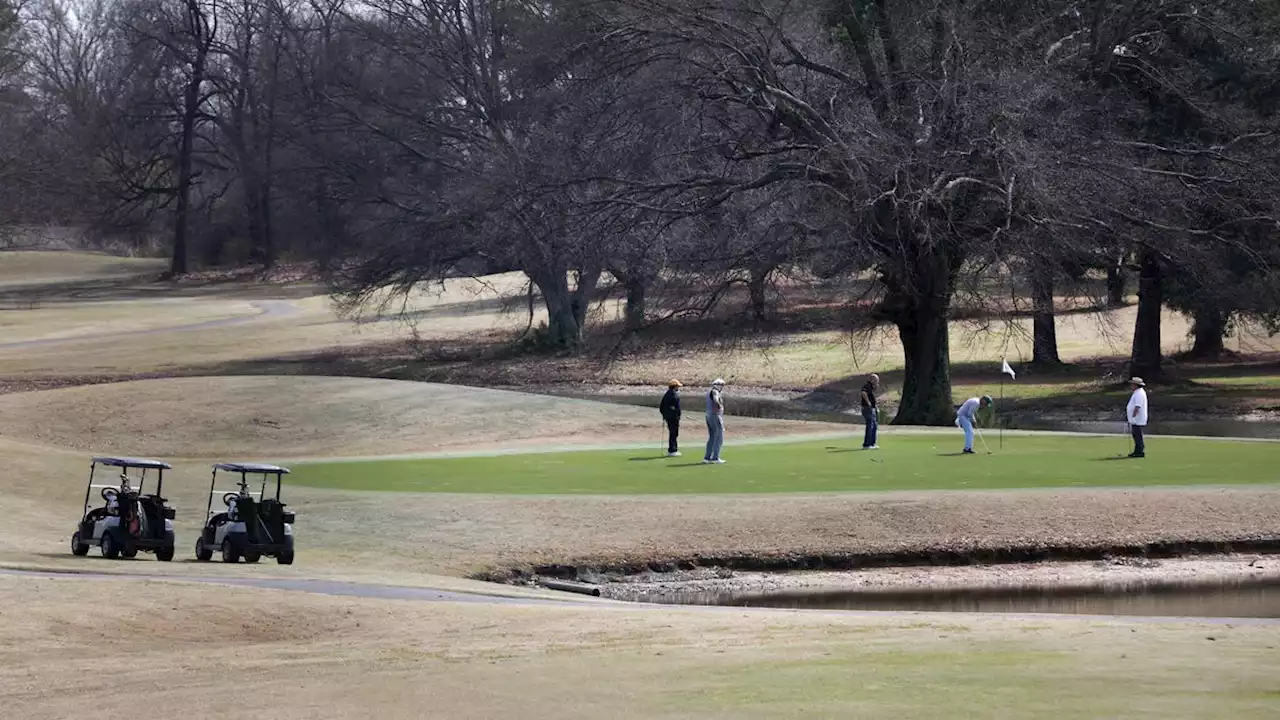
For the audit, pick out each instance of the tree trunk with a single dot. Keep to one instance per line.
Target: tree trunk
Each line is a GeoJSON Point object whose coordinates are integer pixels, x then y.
{"type": "Point", "coordinates": [756, 286]}
{"type": "Point", "coordinates": [1209, 328]}
{"type": "Point", "coordinates": [1044, 327]}
{"type": "Point", "coordinates": [190, 110]}
{"type": "Point", "coordinates": [636, 303]}
{"type": "Point", "coordinates": [563, 330]}
{"type": "Point", "coordinates": [1115, 284]}
{"type": "Point", "coordinates": [583, 292]}
{"type": "Point", "coordinates": [1146, 360]}
{"type": "Point", "coordinates": [258, 210]}
{"type": "Point", "coordinates": [919, 310]}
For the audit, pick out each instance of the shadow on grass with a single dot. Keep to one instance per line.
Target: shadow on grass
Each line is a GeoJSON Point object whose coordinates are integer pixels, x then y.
{"type": "Point", "coordinates": [1114, 457]}
{"type": "Point", "coordinates": [646, 459]}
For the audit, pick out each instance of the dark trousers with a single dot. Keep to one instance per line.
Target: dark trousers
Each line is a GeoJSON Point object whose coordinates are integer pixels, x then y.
{"type": "Point", "coordinates": [1139, 447]}
{"type": "Point", "coordinates": [869, 415]}
{"type": "Point", "coordinates": [673, 434]}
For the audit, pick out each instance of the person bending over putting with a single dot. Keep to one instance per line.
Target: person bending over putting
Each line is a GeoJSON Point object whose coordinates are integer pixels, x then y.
{"type": "Point", "coordinates": [965, 418]}
{"type": "Point", "coordinates": [670, 409]}
{"type": "Point", "coordinates": [869, 411]}
{"type": "Point", "coordinates": [1136, 416]}
{"type": "Point", "coordinates": [715, 422]}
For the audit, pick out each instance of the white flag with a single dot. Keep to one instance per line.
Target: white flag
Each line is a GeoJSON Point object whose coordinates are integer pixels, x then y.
{"type": "Point", "coordinates": [1007, 369]}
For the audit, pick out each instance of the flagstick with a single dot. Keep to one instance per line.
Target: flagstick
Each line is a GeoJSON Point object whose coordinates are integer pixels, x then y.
{"type": "Point", "coordinates": [1002, 405]}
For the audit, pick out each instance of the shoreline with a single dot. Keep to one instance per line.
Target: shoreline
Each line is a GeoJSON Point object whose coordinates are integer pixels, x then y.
{"type": "Point", "coordinates": [1063, 575]}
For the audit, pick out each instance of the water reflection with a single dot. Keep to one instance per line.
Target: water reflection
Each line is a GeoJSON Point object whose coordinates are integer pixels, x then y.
{"type": "Point", "coordinates": [1247, 598]}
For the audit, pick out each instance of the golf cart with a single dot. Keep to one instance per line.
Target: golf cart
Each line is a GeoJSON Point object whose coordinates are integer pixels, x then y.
{"type": "Point", "coordinates": [131, 520]}
{"type": "Point", "coordinates": [252, 524]}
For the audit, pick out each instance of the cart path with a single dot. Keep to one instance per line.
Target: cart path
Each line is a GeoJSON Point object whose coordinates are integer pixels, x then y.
{"type": "Point", "coordinates": [267, 310]}
{"type": "Point", "coordinates": [420, 594]}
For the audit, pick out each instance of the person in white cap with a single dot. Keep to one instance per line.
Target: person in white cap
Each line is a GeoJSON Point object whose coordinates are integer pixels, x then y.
{"type": "Point", "coordinates": [715, 422]}
{"type": "Point", "coordinates": [1136, 415]}
{"type": "Point", "coordinates": [967, 415]}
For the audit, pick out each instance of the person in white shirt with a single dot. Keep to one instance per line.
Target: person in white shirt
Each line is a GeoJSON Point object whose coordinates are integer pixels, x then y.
{"type": "Point", "coordinates": [715, 422]}
{"type": "Point", "coordinates": [1136, 415]}
{"type": "Point", "coordinates": [965, 417]}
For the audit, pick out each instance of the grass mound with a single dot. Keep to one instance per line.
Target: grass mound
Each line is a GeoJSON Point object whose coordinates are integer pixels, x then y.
{"type": "Point", "coordinates": [906, 462]}
{"type": "Point", "coordinates": [37, 267]}
{"type": "Point", "coordinates": [282, 417]}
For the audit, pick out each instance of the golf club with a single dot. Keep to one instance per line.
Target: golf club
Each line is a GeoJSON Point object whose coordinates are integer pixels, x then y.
{"type": "Point", "coordinates": [984, 440]}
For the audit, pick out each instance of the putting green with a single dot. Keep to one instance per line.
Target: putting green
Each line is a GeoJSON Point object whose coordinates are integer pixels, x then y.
{"type": "Point", "coordinates": [905, 462]}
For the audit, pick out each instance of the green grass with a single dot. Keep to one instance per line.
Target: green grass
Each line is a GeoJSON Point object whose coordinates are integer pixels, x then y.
{"type": "Point", "coordinates": [905, 462]}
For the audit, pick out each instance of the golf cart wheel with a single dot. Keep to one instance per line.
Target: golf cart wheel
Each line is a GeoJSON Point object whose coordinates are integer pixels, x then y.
{"type": "Point", "coordinates": [110, 550]}
{"type": "Point", "coordinates": [164, 554]}
{"type": "Point", "coordinates": [77, 547]}
{"type": "Point", "coordinates": [203, 553]}
{"type": "Point", "coordinates": [229, 554]}
{"type": "Point", "coordinates": [285, 558]}
{"type": "Point", "coordinates": [252, 557]}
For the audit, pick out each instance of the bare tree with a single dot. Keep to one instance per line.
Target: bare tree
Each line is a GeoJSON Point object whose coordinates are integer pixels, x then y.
{"type": "Point", "coordinates": [900, 122]}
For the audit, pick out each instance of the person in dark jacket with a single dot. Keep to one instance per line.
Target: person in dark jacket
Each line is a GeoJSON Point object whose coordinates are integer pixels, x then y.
{"type": "Point", "coordinates": [870, 412]}
{"type": "Point", "coordinates": [670, 409]}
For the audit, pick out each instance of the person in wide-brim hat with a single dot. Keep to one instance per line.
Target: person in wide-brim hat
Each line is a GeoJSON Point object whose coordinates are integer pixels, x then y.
{"type": "Point", "coordinates": [1135, 414]}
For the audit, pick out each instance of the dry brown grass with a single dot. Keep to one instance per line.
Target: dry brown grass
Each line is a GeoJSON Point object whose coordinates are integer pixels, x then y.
{"type": "Point", "coordinates": [42, 267]}
{"type": "Point", "coordinates": [489, 311]}
{"type": "Point", "coordinates": [104, 646]}
{"type": "Point", "coordinates": [230, 652]}
{"type": "Point", "coordinates": [291, 417]}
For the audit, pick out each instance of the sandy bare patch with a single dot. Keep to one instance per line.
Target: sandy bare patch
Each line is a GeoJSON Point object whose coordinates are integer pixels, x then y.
{"type": "Point", "coordinates": [283, 417]}
{"type": "Point", "coordinates": [307, 656]}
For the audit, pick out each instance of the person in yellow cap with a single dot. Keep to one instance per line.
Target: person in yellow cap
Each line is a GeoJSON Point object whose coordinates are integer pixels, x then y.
{"type": "Point", "coordinates": [670, 409]}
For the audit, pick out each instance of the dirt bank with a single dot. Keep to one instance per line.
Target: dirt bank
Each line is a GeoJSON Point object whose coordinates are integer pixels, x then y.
{"type": "Point", "coordinates": [1111, 572]}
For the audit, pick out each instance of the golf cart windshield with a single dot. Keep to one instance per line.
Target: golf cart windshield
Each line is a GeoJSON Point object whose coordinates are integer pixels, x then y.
{"type": "Point", "coordinates": [244, 469]}
{"type": "Point", "coordinates": [126, 481]}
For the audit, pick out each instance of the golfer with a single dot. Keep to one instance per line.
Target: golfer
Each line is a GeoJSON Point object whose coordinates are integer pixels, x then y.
{"type": "Point", "coordinates": [965, 417]}
{"type": "Point", "coordinates": [869, 411]}
{"type": "Point", "coordinates": [1136, 415]}
{"type": "Point", "coordinates": [715, 422]}
{"type": "Point", "coordinates": [670, 409]}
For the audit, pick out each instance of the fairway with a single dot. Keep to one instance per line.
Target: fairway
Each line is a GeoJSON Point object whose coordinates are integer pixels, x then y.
{"type": "Point", "coordinates": [905, 462]}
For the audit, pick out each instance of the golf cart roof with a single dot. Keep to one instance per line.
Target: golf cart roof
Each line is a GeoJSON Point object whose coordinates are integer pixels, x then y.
{"type": "Point", "coordinates": [251, 468]}
{"type": "Point", "coordinates": [130, 462]}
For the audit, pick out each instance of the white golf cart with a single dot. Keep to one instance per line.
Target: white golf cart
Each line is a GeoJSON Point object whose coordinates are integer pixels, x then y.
{"type": "Point", "coordinates": [131, 519]}
{"type": "Point", "coordinates": [251, 524]}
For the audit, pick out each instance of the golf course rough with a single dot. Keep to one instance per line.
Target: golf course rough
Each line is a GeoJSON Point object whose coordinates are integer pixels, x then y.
{"type": "Point", "coordinates": [906, 462]}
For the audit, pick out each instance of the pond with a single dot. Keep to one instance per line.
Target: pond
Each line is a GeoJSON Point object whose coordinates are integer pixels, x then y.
{"type": "Point", "coordinates": [1243, 599]}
